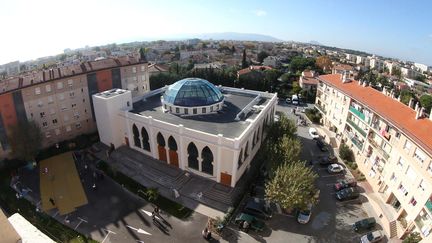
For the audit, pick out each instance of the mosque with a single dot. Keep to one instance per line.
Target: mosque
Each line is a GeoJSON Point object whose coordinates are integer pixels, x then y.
{"type": "Point", "coordinates": [212, 131]}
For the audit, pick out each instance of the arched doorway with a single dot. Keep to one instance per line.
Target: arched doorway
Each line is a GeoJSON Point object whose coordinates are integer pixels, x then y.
{"type": "Point", "coordinates": [246, 152]}
{"type": "Point", "coordinates": [173, 156]}
{"type": "Point", "coordinates": [192, 156]}
{"type": "Point", "coordinates": [161, 147]}
{"type": "Point", "coordinates": [145, 139]}
{"type": "Point", "coordinates": [136, 137]}
{"type": "Point", "coordinates": [240, 159]}
{"type": "Point", "coordinates": [207, 161]}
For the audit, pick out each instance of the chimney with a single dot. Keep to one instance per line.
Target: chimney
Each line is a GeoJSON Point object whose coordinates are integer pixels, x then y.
{"type": "Point", "coordinates": [384, 91]}
{"type": "Point", "coordinates": [418, 112]}
{"type": "Point", "coordinates": [399, 98]}
{"type": "Point", "coordinates": [360, 82]}
{"type": "Point", "coordinates": [430, 115]}
{"type": "Point", "coordinates": [365, 84]}
{"type": "Point", "coordinates": [416, 106]}
{"type": "Point", "coordinates": [422, 112]}
{"type": "Point", "coordinates": [411, 103]}
{"type": "Point", "coordinates": [344, 77]}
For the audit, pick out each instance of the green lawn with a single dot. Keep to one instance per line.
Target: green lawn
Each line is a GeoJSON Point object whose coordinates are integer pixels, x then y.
{"type": "Point", "coordinates": [49, 226]}
{"type": "Point", "coordinates": [175, 209]}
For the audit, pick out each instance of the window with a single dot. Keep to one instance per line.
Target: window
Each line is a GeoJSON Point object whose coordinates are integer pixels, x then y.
{"type": "Point", "coordinates": [211, 108]}
{"type": "Point", "coordinates": [411, 173]}
{"type": "Point", "coordinates": [429, 168]}
{"type": "Point", "coordinates": [128, 104]}
{"type": "Point", "coordinates": [398, 135]}
{"type": "Point", "coordinates": [78, 125]}
{"type": "Point", "coordinates": [48, 134]}
{"type": "Point", "coordinates": [61, 96]}
{"type": "Point", "coordinates": [403, 190]}
{"type": "Point", "coordinates": [42, 114]}
{"type": "Point", "coordinates": [63, 107]}
{"type": "Point", "coordinates": [413, 202]}
{"type": "Point", "coordinates": [37, 91]}
{"type": "Point", "coordinates": [177, 110]}
{"type": "Point", "coordinates": [44, 124]}
{"type": "Point", "coordinates": [73, 105]}
{"type": "Point", "coordinates": [71, 94]}
{"type": "Point", "coordinates": [393, 178]}
{"type": "Point", "coordinates": [204, 110]}
{"type": "Point", "coordinates": [186, 111]}
{"type": "Point", "coordinates": [195, 110]}
{"type": "Point", "coordinates": [76, 114]}
{"type": "Point", "coordinates": [407, 146]}
{"type": "Point", "coordinates": [143, 77]}
{"type": "Point", "coordinates": [83, 100]}
{"type": "Point", "coordinates": [419, 155]}
{"type": "Point", "coordinates": [54, 121]}
{"type": "Point", "coordinates": [133, 69]}
{"type": "Point", "coordinates": [400, 162]}
{"type": "Point", "coordinates": [59, 85]}
{"type": "Point", "coordinates": [422, 185]}
{"type": "Point", "coordinates": [68, 128]}
{"type": "Point", "coordinates": [82, 90]}
{"type": "Point", "coordinates": [142, 68]}
{"type": "Point", "coordinates": [50, 100]}
{"type": "Point", "coordinates": [70, 82]}
{"type": "Point", "coordinates": [48, 88]}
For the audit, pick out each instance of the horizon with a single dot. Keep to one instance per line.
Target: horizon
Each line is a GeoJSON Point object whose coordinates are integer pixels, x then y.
{"type": "Point", "coordinates": [394, 29]}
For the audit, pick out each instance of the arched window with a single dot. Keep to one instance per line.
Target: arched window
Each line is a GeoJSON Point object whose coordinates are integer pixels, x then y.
{"type": "Point", "coordinates": [240, 159]}
{"type": "Point", "coordinates": [207, 160]}
{"type": "Point", "coordinates": [172, 144]}
{"type": "Point", "coordinates": [145, 139]}
{"type": "Point", "coordinates": [254, 140]}
{"type": "Point", "coordinates": [192, 156]}
{"type": "Point", "coordinates": [136, 137]}
{"type": "Point", "coordinates": [246, 152]}
{"type": "Point", "coordinates": [160, 140]}
{"type": "Point", "coordinates": [258, 134]}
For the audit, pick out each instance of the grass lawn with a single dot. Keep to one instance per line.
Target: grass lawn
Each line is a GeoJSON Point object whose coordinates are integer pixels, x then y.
{"type": "Point", "coordinates": [49, 226]}
{"type": "Point", "coordinates": [175, 209]}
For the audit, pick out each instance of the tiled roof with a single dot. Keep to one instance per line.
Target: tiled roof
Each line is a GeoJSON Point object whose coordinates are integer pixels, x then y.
{"type": "Point", "coordinates": [249, 69]}
{"type": "Point", "coordinates": [343, 67]}
{"type": "Point", "coordinates": [310, 81]}
{"type": "Point", "coordinates": [395, 112]}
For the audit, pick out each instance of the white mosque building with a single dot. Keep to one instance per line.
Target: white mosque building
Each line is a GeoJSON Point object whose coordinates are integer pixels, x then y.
{"type": "Point", "coordinates": [207, 130]}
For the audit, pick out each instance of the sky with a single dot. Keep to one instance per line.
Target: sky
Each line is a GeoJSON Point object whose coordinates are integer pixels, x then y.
{"type": "Point", "coordinates": [392, 28]}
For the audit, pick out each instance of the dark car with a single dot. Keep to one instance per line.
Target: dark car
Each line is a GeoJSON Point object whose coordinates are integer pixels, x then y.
{"type": "Point", "coordinates": [345, 183]}
{"type": "Point", "coordinates": [327, 160]}
{"type": "Point", "coordinates": [321, 145]}
{"type": "Point", "coordinates": [252, 222]}
{"type": "Point", "coordinates": [258, 208]}
{"type": "Point", "coordinates": [347, 194]}
{"type": "Point", "coordinates": [364, 224]}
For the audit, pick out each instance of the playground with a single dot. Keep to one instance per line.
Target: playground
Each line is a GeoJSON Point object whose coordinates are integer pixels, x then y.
{"type": "Point", "coordinates": [60, 185]}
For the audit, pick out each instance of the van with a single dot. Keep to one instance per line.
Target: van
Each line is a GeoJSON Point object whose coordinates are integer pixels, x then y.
{"type": "Point", "coordinates": [294, 100]}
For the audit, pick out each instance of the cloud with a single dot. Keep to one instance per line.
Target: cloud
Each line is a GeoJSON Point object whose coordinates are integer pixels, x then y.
{"type": "Point", "coordinates": [260, 12]}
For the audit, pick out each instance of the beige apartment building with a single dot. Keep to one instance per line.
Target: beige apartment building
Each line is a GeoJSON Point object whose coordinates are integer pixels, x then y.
{"type": "Point", "coordinates": [392, 143]}
{"type": "Point", "coordinates": [59, 100]}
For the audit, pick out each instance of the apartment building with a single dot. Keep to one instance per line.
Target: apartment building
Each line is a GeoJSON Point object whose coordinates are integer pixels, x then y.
{"type": "Point", "coordinates": [59, 100]}
{"type": "Point", "coordinates": [392, 144]}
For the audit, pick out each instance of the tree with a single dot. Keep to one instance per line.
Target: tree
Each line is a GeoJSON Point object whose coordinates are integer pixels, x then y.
{"type": "Point", "coordinates": [346, 153]}
{"type": "Point", "coordinates": [405, 96]}
{"type": "Point", "coordinates": [261, 56]}
{"type": "Point", "coordinates": [142, 54]}
{"type": "Point", "coordinates": [420, 78]}
{"type": "Point", "coordinates": [413, 237]}
{"type": "Point", "coordinates": [426, 102]}
{"type": "Point", "coordinates": [299, 64]}
{"type": "Point", "coordinates": [283, 127]}
{"type": "Point", "coordinates": [244, 61]}
{"type": "Point", "coordinates": [324, 63]}
{"type": "Point", "coordinates": [295, 88]}
{"type": "Point", "coordinates": [292, 186]}
{"type": "Point", "coordinates": [397, 72]}
{"type": "Point", "coordinates": [25, 139]}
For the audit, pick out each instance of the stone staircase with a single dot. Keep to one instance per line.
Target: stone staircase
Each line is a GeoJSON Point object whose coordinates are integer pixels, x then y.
{"type": "Point", "coordinates": [218, 195]}
{"type": "Point", "coordinates": [181, 180]}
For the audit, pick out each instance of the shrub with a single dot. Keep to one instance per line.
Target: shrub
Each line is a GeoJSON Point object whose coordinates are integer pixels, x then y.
{"type": "Point", "coordinates": [314, 115]}
{"type": "Point", "coordinates": [346, 153]}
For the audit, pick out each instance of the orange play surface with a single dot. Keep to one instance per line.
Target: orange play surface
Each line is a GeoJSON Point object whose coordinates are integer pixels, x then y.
{"type": "Point", "coordinates": [60, 181]}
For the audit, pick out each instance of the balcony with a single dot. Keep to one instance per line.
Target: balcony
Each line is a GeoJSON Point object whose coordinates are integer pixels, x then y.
{"type": "Point", "coordinates": [356, 127]}
{"type": "Point", "coordinates": [320, 108]}
{"type": "Point", "coordinates": [429, 205]}
{"type": "Point", "coordinates": [357, 113]}
{"type": "Point", "coordinates": [379, 149]}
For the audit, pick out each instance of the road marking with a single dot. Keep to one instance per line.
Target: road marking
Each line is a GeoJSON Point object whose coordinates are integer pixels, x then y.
{"type": "Point", "coordinates": [146, 212]}
{"type": "Point", "coordinates": [139, 230]}
{"type": "Point", "coordinates": [81, 220]}
{"type": "Point", "coordinates": [106, 236]}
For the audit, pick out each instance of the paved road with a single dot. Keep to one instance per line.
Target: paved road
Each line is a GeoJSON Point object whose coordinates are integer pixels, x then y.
{"type": "Point", "coordinates": [330, 221]}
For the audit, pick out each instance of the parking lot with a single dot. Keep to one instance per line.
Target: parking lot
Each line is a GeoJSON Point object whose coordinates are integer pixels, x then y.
{"type": "Point", "coordinates": [331, 220]}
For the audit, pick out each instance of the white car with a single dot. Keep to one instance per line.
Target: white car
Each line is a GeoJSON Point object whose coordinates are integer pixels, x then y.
{"type": "Point", "coordinates": [372, 237]}
{"type": "Point", "coordinates": [335, 168]}
{"type": "Point", "coordinates": [305, 215]}
{"type": "Point", "coordinates": [313, 133]}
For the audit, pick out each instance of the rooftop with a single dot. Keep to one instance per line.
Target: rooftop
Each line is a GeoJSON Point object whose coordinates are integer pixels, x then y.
{"type": "Point", "coordinates": [395, 112]}
{"type": "Point", "coordinates": [222, 122]}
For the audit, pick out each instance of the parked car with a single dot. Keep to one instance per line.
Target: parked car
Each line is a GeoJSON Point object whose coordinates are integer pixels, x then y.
{"type": "Point", "coordinates": [313, 133]}
{"type": "Point", "coordinates": [258, 208]}
{"type": "Point", "coordinates": [328, 160]}
{"type": "Point", "coordinates": [305, 215]}
{"type": "Point", "coordinates": [372, 237]}
{"type": "Point", "coordinates": [288, 100]}
{"type": "Point", "coordinates": [335, 168]}
{"type": "Point", "coordinates": [252, 222]}
{"type": "Point", "coordinates": [321, 145]}
{"type": "Point", "coordinates": [345, 183]}
{"type": "Point", "coordinates": [347, 194]}
{"type": "Point", "coordinates": [364, 224]}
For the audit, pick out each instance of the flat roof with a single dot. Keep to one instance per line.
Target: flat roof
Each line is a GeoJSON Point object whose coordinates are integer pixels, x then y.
{"type": "Point", "coordinates": [395, 112]}
{"type": "Point", "coordinates": [221, 122]}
